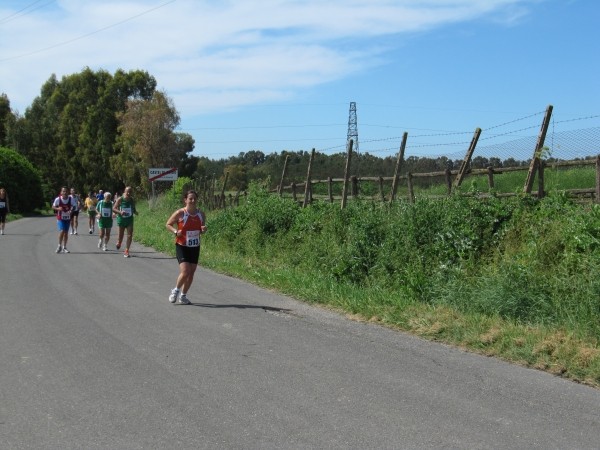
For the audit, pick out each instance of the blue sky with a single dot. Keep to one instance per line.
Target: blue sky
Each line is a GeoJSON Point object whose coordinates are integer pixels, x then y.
{"type": "Point", "coordinates": [275, 75]}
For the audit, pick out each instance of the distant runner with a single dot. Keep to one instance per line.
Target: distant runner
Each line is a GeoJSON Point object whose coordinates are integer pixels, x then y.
{"type": "Point", "coordinates": [105, 221]}
{"type": "Point", "coordinates": [90, 205]}
{"type": "Point", "coordinates": [4, 209]}
{"type": "Point", "coordinates": [125, 209]}
{"type": "Point", "coordinates": [63, 206]}
{"type": "Point", "coordinates": [75, 212]}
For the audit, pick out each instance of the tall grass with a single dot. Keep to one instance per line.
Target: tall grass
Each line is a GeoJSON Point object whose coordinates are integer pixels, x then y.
{"type": "Point", "coordinates": [515, 278]}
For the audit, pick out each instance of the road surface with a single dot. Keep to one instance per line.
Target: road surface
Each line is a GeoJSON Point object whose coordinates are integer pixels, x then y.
{"type": "Point", "coordinates": [93, 356]}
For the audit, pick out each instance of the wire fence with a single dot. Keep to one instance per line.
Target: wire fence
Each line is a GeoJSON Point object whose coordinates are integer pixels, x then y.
{"type": "Point", "coordinates": [566, 139]}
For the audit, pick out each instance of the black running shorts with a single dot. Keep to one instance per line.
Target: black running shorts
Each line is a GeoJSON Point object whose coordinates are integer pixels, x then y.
{"type": "Point", "coordinates": [187, 254]}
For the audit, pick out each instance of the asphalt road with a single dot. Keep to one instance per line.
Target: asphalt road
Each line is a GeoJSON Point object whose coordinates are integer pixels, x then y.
{"type": "Point", "coordinates": [92, 355]}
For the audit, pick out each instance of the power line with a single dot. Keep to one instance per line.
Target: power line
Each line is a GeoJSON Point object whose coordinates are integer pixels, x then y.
{"type": "Point", "coordinates": [263, 127]}
{"type": "Point", "coordinates": [60, 44]}
{"type": "Point", "coordinates": [17, 14]}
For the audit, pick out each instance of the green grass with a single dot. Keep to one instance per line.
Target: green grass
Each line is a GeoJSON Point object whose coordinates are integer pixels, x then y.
{"type": "Point", "coordinates": [555, 180]}
{"type": "Point", "coordinates": [511, 279]}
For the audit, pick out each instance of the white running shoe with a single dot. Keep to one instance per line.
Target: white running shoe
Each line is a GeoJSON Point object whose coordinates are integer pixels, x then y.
{"type": "Point", "coordinates": [91, 231]}
{"type": "Point", "coordinates": [100, 243]}
{"type": "Point", "coordinates": [58, 249]}
{"type": "Point", "coordinates": [65, 250]}
{"type": "Point", "coordinates": [173, 296]}
{"type": "Point", "coordinates": [104, 249]}
{"type": "Point", "coordinates": [183, 300]}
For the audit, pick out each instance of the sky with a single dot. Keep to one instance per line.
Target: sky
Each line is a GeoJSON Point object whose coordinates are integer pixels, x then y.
{"type": "Point", "coordinates": [275, 75]}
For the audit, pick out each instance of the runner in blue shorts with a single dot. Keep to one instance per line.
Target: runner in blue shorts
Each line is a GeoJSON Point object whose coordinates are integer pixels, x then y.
{"type": "Point", "coordinates": [63, 206]}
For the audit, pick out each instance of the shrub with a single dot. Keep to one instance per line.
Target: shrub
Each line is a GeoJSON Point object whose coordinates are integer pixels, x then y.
{"type": "Point", "coordinates": [21, 180]}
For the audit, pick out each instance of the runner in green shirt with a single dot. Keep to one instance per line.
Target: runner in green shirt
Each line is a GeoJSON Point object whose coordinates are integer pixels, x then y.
{"type": "Point", "coordinates": [105, 220]}
{"type": "Point", "coordinates": [124, 208]}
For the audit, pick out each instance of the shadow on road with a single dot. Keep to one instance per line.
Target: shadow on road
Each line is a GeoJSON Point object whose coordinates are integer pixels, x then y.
{"type": "Point", "coordinates": [239, 306]}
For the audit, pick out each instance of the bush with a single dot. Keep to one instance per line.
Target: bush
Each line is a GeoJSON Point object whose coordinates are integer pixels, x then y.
{"type": "Point", "coordinates": [22, 181]}
{"type": "Point", "coordinates": [521, 259]}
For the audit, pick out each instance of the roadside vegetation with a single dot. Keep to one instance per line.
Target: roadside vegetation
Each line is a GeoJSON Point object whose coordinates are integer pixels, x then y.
{"type": "Point", "coordinates": [514, 277]}
{"type": "Point", "coordinates": [510, 278]}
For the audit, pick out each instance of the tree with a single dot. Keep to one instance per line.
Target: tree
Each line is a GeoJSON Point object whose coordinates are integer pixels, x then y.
{"type": "Point", "coordinates": [146, 139]}
{"type": "Point", "coordinates": [185, 145]}
{"type": "Point", "coordinates": [238, 177]}
{"type": "Point", "coordinates": [70, 129]}
{"type": "Point", "coordinates": [480, 162]}
{"type": "Point", "coordinates": [5, 115]}
{"type": "Point", "coordinates": [21, 180]}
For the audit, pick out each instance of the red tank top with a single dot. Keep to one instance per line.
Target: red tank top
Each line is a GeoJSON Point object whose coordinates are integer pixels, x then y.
{"type": "Point", "coordinates": [190, 227]}
{"type": "Point", "coordinates": [65, 209]}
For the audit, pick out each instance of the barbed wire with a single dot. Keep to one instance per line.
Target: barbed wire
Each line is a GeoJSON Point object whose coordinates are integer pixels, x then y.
{"type": "Point", "coordinates": [560, 144]}
{"type": "Point", "coordinates": [514, 121]}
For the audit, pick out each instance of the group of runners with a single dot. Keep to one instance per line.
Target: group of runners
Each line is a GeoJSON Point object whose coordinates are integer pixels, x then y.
{"type": "Point", "coordinates": [187, 225]}
{"type": "Point", "coordinates": [100, 209]}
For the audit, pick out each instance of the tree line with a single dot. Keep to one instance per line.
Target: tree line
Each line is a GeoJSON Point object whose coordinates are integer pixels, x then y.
{"type": "Point", "coordinates": [96, 130]}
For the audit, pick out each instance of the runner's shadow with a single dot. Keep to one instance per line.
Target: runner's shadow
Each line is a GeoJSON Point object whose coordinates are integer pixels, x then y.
{"type": "Point", "coordinates": [136, 255]}
{"type": "Point", "coordinates": [266, 308]}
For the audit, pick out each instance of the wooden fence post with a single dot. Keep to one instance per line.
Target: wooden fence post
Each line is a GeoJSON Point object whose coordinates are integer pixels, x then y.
{"type": "Point", "coordinates": [411, 192]}
{"type": "Point", "coordinates": [223, 189]}
{"type": "Point", "coordinates": [598, 179]}
{"type": "Point", "coordinates": [533, 165]}
{"type": "Point", "coordinates": [308, 185]}
{"type": "Point", "coordinates": [212, 191]}
{"type": "Point", "coordinates": [294, 191]}
{"type": "Point", "coordinates": [490, 172]}
{"type": "Point", "coordinates": [207, 190]}
{"type": "Point", "coordinates": [330, 189]}
{"type": "Point", "coordinates": [448, 175]}
{"type": "Point", "coordinates": [283, 172]}
{"type": "Point", "coordinates": [346, 173]}
{"type": "Point", "coordinates": [381, 194]}
{"type": "Point", "coordinates": [541, 167]}
{"type": "Point", "coordinates": [399, 161]}
{"type": "Point", "coordinates": [354, 185]}
{"type": "Point", "coordinates": [465, 164]}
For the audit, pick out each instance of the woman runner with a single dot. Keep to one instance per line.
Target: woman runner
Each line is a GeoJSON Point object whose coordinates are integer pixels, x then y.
{"type": "Point", "coordinates": [187, 224]}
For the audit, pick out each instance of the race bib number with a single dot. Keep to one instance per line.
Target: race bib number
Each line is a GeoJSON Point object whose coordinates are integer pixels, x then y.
{"type": "Point", "coordinates": [106, 212]}
{"type": "Point", "coordinates": [65, 215]}
{"type": "Point", "coordinates": [2, 204]}
{"type": "Point", "coordinates": [126, 212]}
{"type": "Point", "coordinates": [192, 238]}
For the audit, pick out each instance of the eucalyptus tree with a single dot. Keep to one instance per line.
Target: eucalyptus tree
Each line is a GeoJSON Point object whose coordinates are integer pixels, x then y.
{"type": "Point", "coordinates": [147, 139]}
{"type": "Point", "coordinates": [72, 125]}
{"type": "Point", "coordinates": [5, 114]}
{"type": "Point", "coordinates": [185, 146]}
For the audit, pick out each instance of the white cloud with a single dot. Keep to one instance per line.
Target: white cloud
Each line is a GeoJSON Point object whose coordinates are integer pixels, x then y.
{"type": "Point", "coordinates": [215, 55]}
